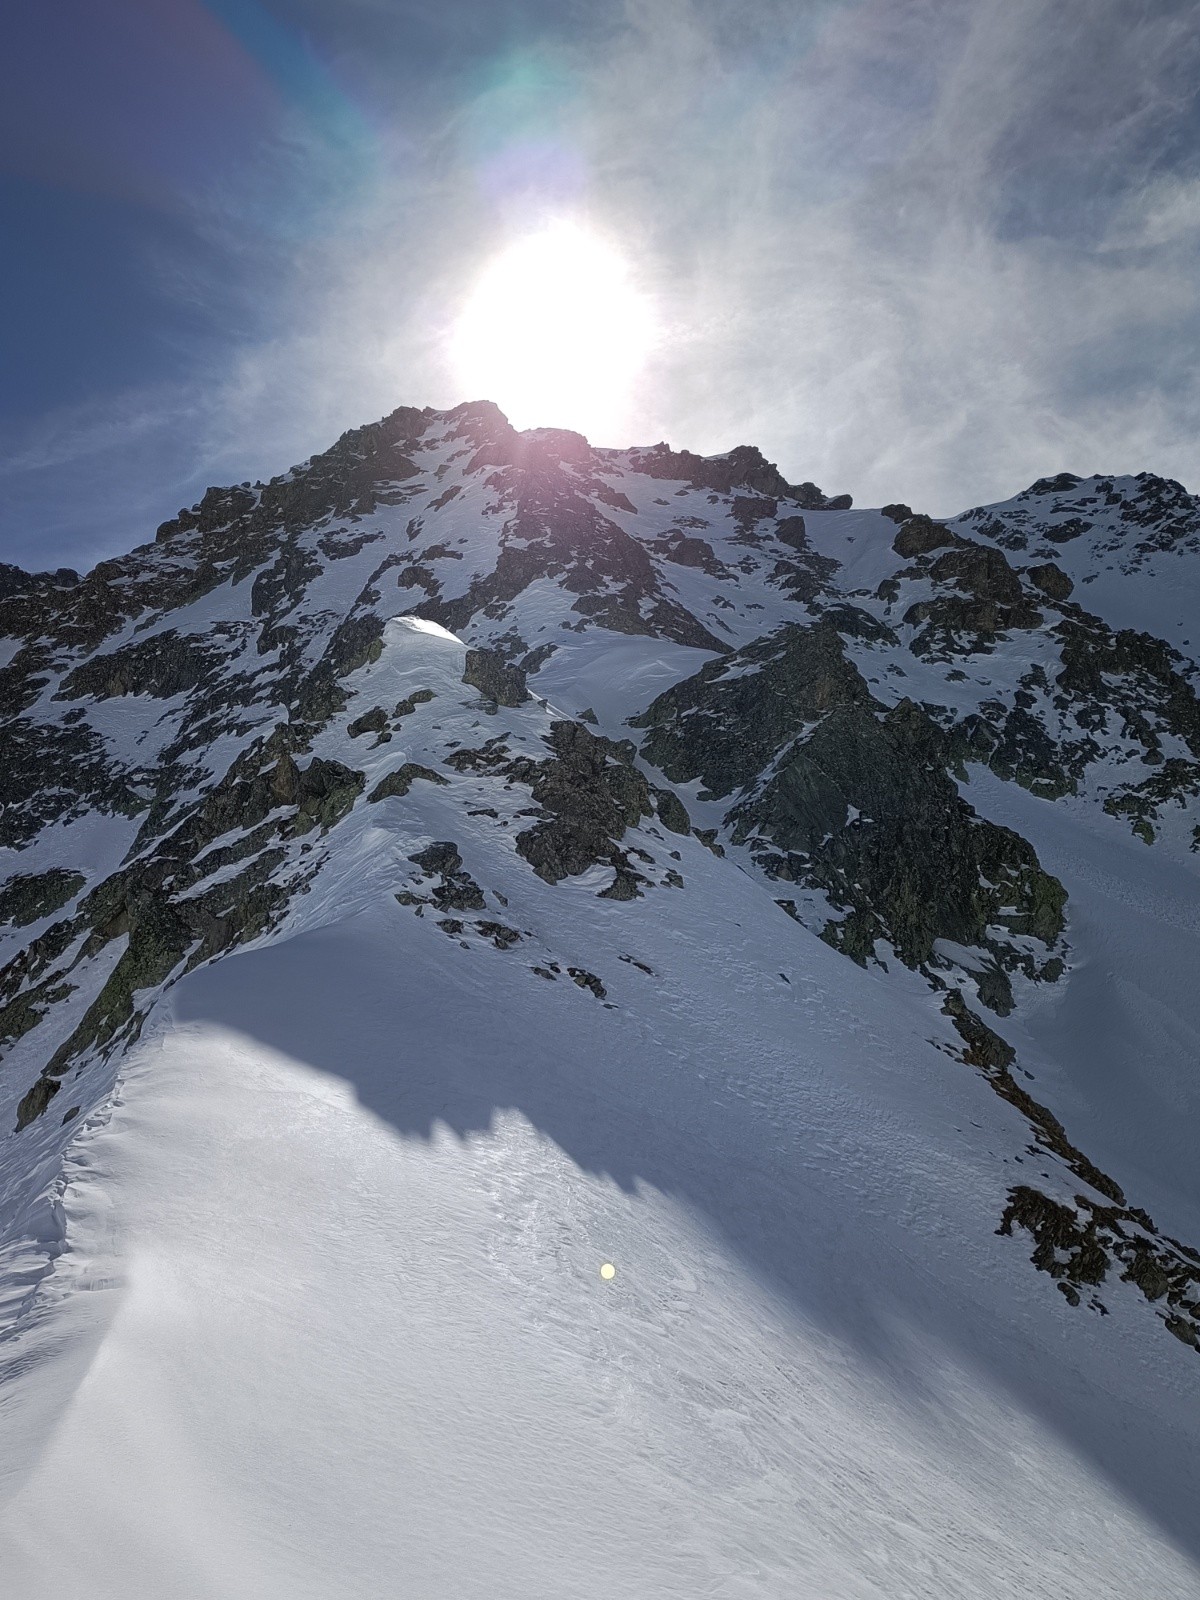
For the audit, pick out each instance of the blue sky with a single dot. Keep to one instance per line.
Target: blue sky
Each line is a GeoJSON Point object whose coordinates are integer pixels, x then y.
{"type": "Point", "coordinates": [916, 249]}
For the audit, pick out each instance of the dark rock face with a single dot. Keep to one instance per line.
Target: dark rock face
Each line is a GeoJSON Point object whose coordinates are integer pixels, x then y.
{"type": "Point", "coordinates": [406, 707]}
{"type": "Point", "coordinates": [672, 812]}
{"type": "Point", "coordinates": [28, 897]}
{"type": "Point", "coordinates": [742, 468]}
{"type": "Point", "coordinates": [1079, 1245]}
{"type": "Point", "coordinates": [987, 599]}
{"type": "Point", "coordinates": [158, 905]}
{"type": "Point", "coordinates": [52, 772]}
{"type": "Point", "coordinates": [373, 721]}
{"type": "Point", "coordinates": [161, 666]}
{"type": "Point", "coordinates": [455, 889]}
{"type": "Point", "coordinates": [919, 535]}
{"type": "Point", "coordinates": [725, 724]}
{"type": "Point", "coordinates": [1051, 580]}
{"type": "Point", "coordinates": [1062, 484]}
{"type": "Point", "coordinates": [916, 865]}
{"type": "Point", "coordinates": [34, 1102]}
{"type": "Point", "coordinates": [837, 792]}
{"type": "Point", "coordinates": [398, 783]}
{"type": "Point", "coordinates": [589, 792]}
{"type": "Point", "coordinates": [488, 672]}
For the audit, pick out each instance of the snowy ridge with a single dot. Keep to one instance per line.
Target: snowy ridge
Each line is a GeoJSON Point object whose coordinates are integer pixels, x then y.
{"type": "Point", "coordinates": [474, 856]}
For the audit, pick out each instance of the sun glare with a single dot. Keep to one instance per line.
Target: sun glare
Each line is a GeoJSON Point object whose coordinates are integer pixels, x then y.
{"type": "Point", "coordinates": [555, 332]}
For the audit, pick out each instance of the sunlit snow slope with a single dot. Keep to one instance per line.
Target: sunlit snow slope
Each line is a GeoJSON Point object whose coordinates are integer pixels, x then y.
{"type": "Point", "coordinates": [397, 994]}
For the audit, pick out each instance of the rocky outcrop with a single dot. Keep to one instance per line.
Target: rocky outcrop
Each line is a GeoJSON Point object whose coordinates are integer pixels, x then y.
{"type": "Point", "coordinates": [454, 889]}
{"type": "Point", "coordinates": [589, 793]}
{"type": "Point", "coordinates": [29, 896]}
{"type": "Point", "coordinates": [161, 909]}
{"type": "Point", "coordinates": [161, 666]}
{"type": "Point", "coordinates": [1081, 1244]}
{"type": "Point", "coordinates": [744, 467]}
{"type": "Point", "coordinates": [496, 680]}
{"type": "Point", "coordinates": [1052, 581]}
{"type": "Point", "coordinates": [833, 790]}
{"type": "Point", "coordinates": [730, 720]}
{"type": "Point", "coordinates": [398, 783]}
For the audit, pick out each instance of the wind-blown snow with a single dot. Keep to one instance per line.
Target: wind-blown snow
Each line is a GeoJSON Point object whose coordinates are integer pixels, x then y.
{"type": "Point", "coordinates": [335, 1274]}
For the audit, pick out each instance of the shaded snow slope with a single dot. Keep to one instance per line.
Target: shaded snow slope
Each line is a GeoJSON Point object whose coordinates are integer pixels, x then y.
{"type": "Point", "coordinates": [334, 1280]}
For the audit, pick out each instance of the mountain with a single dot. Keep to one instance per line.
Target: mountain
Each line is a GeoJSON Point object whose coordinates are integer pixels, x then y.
{"type": "Point", "coordinates": [475, 856]}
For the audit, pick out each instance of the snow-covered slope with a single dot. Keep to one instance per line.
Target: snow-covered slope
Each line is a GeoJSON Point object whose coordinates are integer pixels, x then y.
{"type": "Point", "coordinates": [475, 857]}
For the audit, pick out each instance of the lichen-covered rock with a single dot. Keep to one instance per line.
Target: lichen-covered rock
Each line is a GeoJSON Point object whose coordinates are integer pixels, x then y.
{"type": "Point", "coordinates": [831, 789]}
{"type": "Point", "coordinates": [398, 783]}
{"type": "Point", "coordinates": [672, 812]}
{"type": "Point", "coordinates": [1051, 580]}
{"type": "Point", "coordinates": [919, 535]}
{"type": "Point", "coordinates": [589, 792]}
{"type": "Point", "coordinates": [455, 890]}
{"type": "Point", "coordinates": [373, 721]}
{"type": "Point", "coordinates": [729, 720]}
{"type": "Point", "coordinates": [29, 896]}
{"type": "Point", "coordinates": [496, 679]}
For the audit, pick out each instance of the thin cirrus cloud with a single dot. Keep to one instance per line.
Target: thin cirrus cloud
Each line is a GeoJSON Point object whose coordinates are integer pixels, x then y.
{"type": "Point", "coordinates": [916, 249]}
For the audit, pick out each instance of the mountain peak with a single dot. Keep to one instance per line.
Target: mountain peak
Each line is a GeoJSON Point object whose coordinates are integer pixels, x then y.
{"type": "Point", "coordinates": [637, 814]}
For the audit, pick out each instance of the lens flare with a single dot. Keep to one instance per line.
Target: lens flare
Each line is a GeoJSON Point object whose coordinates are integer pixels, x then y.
{"type": "Point", "coordinates": [555, 332]}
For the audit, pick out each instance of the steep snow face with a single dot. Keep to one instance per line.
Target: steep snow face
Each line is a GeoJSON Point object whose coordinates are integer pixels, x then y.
{"type": "Point", "coordinates": [474, 857]}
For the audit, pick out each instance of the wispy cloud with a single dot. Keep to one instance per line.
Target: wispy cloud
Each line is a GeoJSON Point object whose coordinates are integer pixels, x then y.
{"type": "Point", "coordinates": [917, 249]}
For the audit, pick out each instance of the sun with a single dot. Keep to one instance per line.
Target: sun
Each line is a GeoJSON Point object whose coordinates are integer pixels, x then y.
{"type": "Point", "coordinates": [556, 332]}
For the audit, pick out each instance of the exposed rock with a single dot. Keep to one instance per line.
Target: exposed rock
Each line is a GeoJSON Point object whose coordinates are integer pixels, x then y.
{"type": "Point", "coordinates": [589, 792]}
{"type": "Point", "coordinates": [672, 812]}
{"type": "Point", "coordinates": [406, 707]}
{"type": "Point", "coordinates": [1063, 483]}
{"type": "Point", "coordinates": [488, 672]}
{"type": "Point", "coordinates": [373, 721]}
{"type": "Point", "coordinates": [588, 980]}
{"type": "Point", "coordinates": [985, 1048]}
{"type": "Point", "coordinates": [456, 890]}
{"type": "Point", "coordinates": [858, 799]}
{"type": "Point", "coordinates": [1051, 580]}
{"type": "Point", "coordinates": [29, 896]}
{"type": "Point", "coordinates": [34, 1102]}
{"type": "Point", "coordinates": [398, 783]}
{"type": "Point", "coordinates": [727, 722]}
{"type": "Point", "coordinates": [919, 535]}
{"type": "Point", "coordinates": [163, 665]}
{"type": "Point", "coordinates": [1079, 1245]}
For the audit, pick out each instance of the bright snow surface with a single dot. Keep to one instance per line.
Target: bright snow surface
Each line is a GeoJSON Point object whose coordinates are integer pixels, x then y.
{"type": "Point", "coordinates": [330, 1320]}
